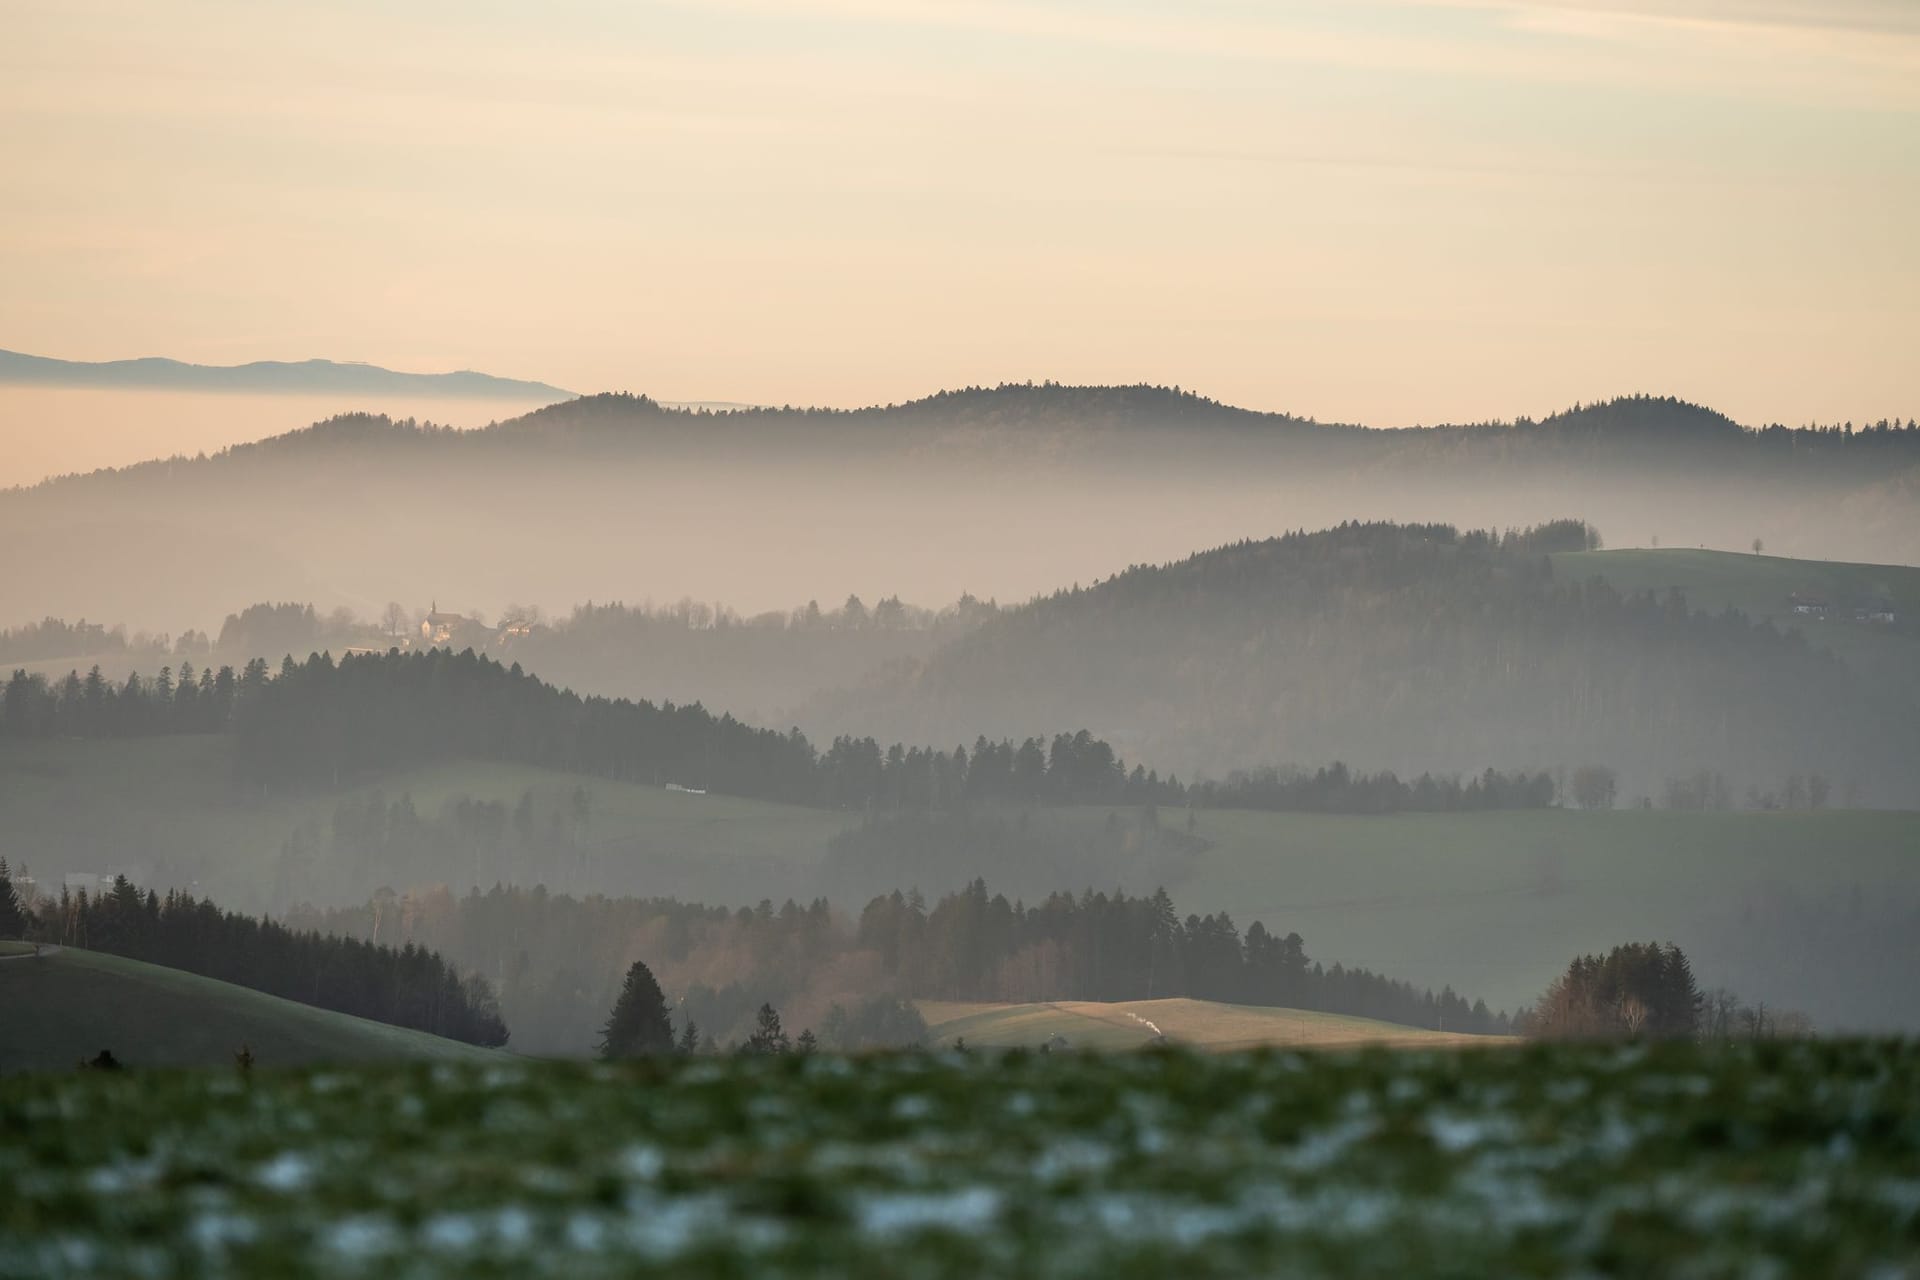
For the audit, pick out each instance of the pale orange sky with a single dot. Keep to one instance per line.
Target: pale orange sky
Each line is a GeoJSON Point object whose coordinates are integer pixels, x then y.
{"type": "Point", "coordinates": [1383, 212]}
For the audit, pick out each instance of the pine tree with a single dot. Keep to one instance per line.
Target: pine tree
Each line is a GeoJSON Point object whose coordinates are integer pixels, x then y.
{"type": "Point", "coordinates": [638, 1025]}
{"type": "Point", "coordinates": [690, 1039]}
{"type": "Point", "coordinates": [767, 1036]}
{"type": "Point", "coordinates": [806, 1043]}
{"type": "Point", "coordinates": [13, 921]}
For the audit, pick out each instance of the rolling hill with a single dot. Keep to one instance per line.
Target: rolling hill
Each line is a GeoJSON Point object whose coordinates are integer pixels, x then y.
{"type": "Point", "coordinates": [64, 1007]}
{"type": "Point", "coordinates": [1198, 1024]}
{"type": "Point", "coordinates": [1003, 492]}
{"type": "Point", "coordinates": [1419, 648]}
{"type": "Point", "coordinates": [168, 811]}
{"type": "Point", "coordinates": [1762, 587]}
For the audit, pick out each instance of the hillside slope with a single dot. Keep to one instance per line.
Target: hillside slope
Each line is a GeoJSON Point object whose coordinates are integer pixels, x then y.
{"type": "Point", "coordinates": [1763, 587]}
{"type": "Point", "coordinates": [1197, 1024]}
{"type": "Point", "coordinates": [58, 1009]}
{"type": "Point", "coordinates": [1406, 647]}
{"type": "Point", "coordinates": [168, 812]}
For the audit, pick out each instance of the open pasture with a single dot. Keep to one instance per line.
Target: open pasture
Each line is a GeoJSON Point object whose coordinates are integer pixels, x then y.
{"type": "Point", "coordinates": [1190, 1024]}
{"type": "Point", "coordinates": [63, 1007]}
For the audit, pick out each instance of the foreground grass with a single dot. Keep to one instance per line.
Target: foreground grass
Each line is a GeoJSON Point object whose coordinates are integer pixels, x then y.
{"type": "Point", "coordinates": [1790, 1159]}
{"type": "Point", "coordinates": [66, 1006]}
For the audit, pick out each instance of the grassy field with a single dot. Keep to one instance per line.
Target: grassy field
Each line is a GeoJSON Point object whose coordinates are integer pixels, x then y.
{"type": "Point", "coordinates": [1193, 1024]}
{"type": "Point", "coordinates": [1777, 1159]}
{"type": "Point", "coordinates": [1759, 586]}
{"type": "Point", "coordinates": [166, 811]}
{"type": "Point", "coordinates": [61, 1008]}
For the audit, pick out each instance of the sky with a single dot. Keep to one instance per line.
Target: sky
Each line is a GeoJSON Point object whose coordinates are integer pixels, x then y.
{"type": "Point", "coordinates": [1392, 213]}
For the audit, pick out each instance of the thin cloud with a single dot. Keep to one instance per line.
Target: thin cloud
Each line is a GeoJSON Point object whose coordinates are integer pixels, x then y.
{"type": "Point", "coordinates": [1884, 17]}
{"type": "Point", "coordinates": [1862, 53]}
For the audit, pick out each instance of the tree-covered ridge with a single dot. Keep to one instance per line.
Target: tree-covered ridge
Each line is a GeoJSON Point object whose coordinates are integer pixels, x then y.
{"type": "Point", "coordinates": [58, 638]}
{"type": "Point", "coordinates": [321, 723]}
{"type": "Point", "coordinates": [1420, 648]}
{"type": "Point", "coordinates": [561, 959]}
{"type": "Point", "coordinates": [1633, 423]}
{"type": "Point", "coordinates": [405, 986]}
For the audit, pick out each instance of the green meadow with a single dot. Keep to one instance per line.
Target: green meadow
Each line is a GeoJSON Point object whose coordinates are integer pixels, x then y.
{"type": "Point", "coordinates": [1760, 586]}
{"type": "Point", "coordinates": [63, 1007]}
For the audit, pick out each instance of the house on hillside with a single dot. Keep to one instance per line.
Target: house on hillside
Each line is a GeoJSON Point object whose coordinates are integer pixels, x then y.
{"type": "Point", "coordinates": [512, 630]}
{"type": "Point", "coordinates": [1875, 609]}
{"type": "Point", "coordinates": [439, 628]}
{"type": "Point", "coordinates": [1809, 605]}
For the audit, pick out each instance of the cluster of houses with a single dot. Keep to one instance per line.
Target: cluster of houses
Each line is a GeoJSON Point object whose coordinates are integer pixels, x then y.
{"type": "Point", "coordinates": [442, 630]}
{"type": "Point", "coordinates": [1812, 604]}
{"type": "Point", "coordinates": [439, 629]}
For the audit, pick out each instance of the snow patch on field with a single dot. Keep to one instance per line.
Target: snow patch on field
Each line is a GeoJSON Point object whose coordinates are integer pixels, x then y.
{"type": "Point", "coordinates": [965, 1209]}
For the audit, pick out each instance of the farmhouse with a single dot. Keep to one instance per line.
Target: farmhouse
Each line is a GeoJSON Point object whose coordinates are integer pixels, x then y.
{"type": "Point", "coordinates": [513, 629]}
{"type": "Point", "coordinates": [1809, 605]}
{"type": "Point", "coordinates": [1875, 609]}
{"type": "Point", "coordinates": [439, 628]}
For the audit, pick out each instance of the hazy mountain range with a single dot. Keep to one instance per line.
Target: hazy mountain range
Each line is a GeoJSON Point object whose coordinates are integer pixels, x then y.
{"type": "Point", "coordinates": [157, 372]}
{"type": "Point", "coordinates": [1003, 492]}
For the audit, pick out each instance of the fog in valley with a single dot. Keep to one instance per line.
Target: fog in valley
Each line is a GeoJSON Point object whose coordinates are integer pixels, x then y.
{"type": "Point", "coordinates": [938, 639]}
{"type": "Point", "coordinates": [64, 430]}
{"type": "Point", "coordinates": [1245, 619]}
{"type": "Point", "coordinates": [1002, 495]}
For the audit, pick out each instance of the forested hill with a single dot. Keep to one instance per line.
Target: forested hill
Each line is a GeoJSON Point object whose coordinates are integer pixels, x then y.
{"type": "Point", "coordinates": [1410, 647]}
{"type": "Point", "coordinates": [1058, 418]}
{"type": "Point", "coordinates": [1002, 492]}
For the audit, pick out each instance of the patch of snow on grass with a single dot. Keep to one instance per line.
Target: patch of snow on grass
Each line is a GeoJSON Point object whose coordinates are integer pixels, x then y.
{"type": "Point", "coordinates": [966, 1209]}
{"type": "Point", "coordinates": [288, 1173]}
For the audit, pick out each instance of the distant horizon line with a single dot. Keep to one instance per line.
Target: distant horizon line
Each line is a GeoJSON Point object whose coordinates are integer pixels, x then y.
{"type": "Point", "coordinates": [18, 368]}
{"type": "Point", "coordinates": [168, 373]}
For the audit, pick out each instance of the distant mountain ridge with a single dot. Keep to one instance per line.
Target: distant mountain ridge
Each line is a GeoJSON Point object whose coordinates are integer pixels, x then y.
{"type": "Point", "coordinates": [998, 491]}
{"type": "Point", "coordinates": [161, 373]}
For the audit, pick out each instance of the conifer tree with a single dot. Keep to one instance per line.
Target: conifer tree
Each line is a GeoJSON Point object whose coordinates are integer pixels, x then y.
{"type": "Point", "coordinates": [767, 1037]}
{"type": "Point", "coordinates": [638, 1025]}
{"type": "Point", "coordinates": [13, 921]}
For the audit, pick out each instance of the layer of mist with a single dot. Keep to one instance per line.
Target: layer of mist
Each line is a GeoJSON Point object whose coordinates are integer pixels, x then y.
{"type": "Point", "coordinates": [1004, 494]}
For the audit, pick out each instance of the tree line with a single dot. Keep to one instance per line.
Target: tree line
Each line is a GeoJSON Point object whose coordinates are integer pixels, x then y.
{"type": "Point", "coordinates": [641, 1024]}
{"type": "Point", "coordinates": [405, 986]}
{"type": "Point", "coordinates": [1646, 990]}
{"type": "Point", "coordinates": [91, 706]}
{"type": "Point", "coordinates": [322, 722]}
{"type": "Point", "coordinates": [1336, 789]}
{"type": "Point", "coordinates": [58, 638]}
{"type": "Point", "coordinates": [557, 960]}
